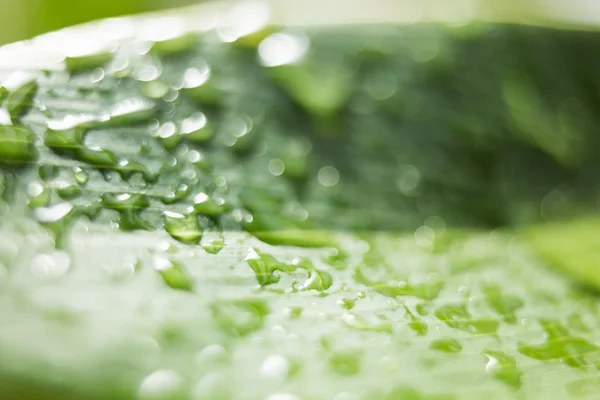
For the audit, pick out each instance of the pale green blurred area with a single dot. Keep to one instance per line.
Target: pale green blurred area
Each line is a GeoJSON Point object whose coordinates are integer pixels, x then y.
{"type": "Point", "coordinates": [23, 19]}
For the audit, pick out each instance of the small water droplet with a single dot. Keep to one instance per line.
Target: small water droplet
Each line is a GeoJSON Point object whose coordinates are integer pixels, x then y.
{"type": "Point", "coordinates": [409, 179]}
{"type": "Point", "coordinates": [276, 167]}
{"type": "Point", "coordinates": [503, 367]}
{"type": "Point", "coordinates": [212, 353]}
{"type": "Point", "coordinates": [80, 175]}
{"type": "Point", "coordinates": [53, 213]}
{"type": "Point", "coordinates": [162, 384]}
{"type": "Point", "coordinates": [276, 367]}
{"type": "Point", "coordinates": [173, 273]}
{"type": "Point", "coordinates": [211, 207]}
{"type": "Point", "coordinates": [194, 77]}
{"type": "Point", "coordinates": [185, 228]}
{"type": "Point", "coordinates": [328, 176]}
{"type": "Point", "coordinates": [50, 265]}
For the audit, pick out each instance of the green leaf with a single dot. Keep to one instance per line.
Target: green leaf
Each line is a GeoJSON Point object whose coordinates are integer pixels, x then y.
{"type": "Point", "coordinates": [190, 219]}
{"type": "Point", "coordinates": [572, 247]}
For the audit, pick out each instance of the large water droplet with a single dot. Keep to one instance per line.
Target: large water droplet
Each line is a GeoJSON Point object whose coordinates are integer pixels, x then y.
{"type": "Point", "coordinates": [173, 273]}
{"type": "Point", "coordinates": [275, 367]}
{"type": "Point", "coordinates": [185, 228]}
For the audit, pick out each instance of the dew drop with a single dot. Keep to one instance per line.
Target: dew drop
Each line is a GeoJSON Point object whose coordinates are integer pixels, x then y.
{"type": "Point", "coordinates": [50, 265]}
{"type": "Point", "coordinates": [275, 367]}
{"type": "Point", "coordinates": [173, 273]}
{"type": "Point", "coordinates": [185, 228]}
{"type": "Point", "coordinates": [276, 167]}
{"type": "Point", "coordinates": [328, 176]}
{"type": "Point", "coordinates": [162, 384]}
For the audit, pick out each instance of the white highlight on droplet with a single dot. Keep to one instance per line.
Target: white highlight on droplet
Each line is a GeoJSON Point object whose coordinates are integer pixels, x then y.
{"type": "Point", "coordinates": [282, 49]}
{"type": "Point", "coordinates": [52, 213]}
{"type": "Point", "coordinates": [50, 265]}
{"type": "Point", "coordinates": [275, 367]}
{"type": "Point", "coordinates": [160, 384]}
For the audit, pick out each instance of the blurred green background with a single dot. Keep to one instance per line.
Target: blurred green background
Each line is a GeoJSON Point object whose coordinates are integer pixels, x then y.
{"type": "Point", "coordinates": [23, 19]}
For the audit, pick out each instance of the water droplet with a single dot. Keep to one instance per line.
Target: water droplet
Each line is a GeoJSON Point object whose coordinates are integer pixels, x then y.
{"type": "Point", "coordinates": [211, 207]}
{"type": "Point", "coordinates": [243, 19]}
{"type": "Point", "coordinates": [162, 384]}
{"type": "Point", "coordinates": [173, 273]}
{"type": "Point", "coordinates": [328, 176]}
{"type": "Point", "coordinates": [50, 265]}
{"type": "Point", "coordinates": [317, 279]}
{"type": "Point", "coordinates": [194, 77]}
{"type": "Point", "coordinates": [185, 228]}
{"type": "Point", "coordinates": [503, 367]}
{"type": "Point", "coordinates": [276, 367]}
{"type": "Point", "coordinates": [211, 354]}
{"type": "Point", "coordinates": [67, 191]}
{"type": "Point", "coordinates": [128, 206]}
{"type": "Point", "coordinates": [213, 243]}
{"type": "Point", "coordinates": [198, 85]}
{"type": "Point", "coordinates": [196, 128]}
{"type": "Point", "coordinates": [346, 303]}
{"type": "Point", "coordinates": [53, 213]}
{"type": "Point", "coordinates": [154, 89]}
{"type": "Point", "coordinates": [80, 175]}
{"type": "Point", "coordinates": [148, 72]}
{"type": "Point", "coordinates": [282, 48]}
{"type": "Point", "coordinates": [97, 75]}
{"type": "Point", "coordinates": [409, 180]}
{"type": "Point", "coordinates": [38, 194]}
{"type": "Point", "coordinates": [265, 267]}
{"type": "Point", "coordinates": [424, 236]}
{"type": "Point", "coordinates": [180, 192]}
{"type": "Point", "coordinates": [132, 111]}
{"type": "Point", "coordinates": [276, 167]}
